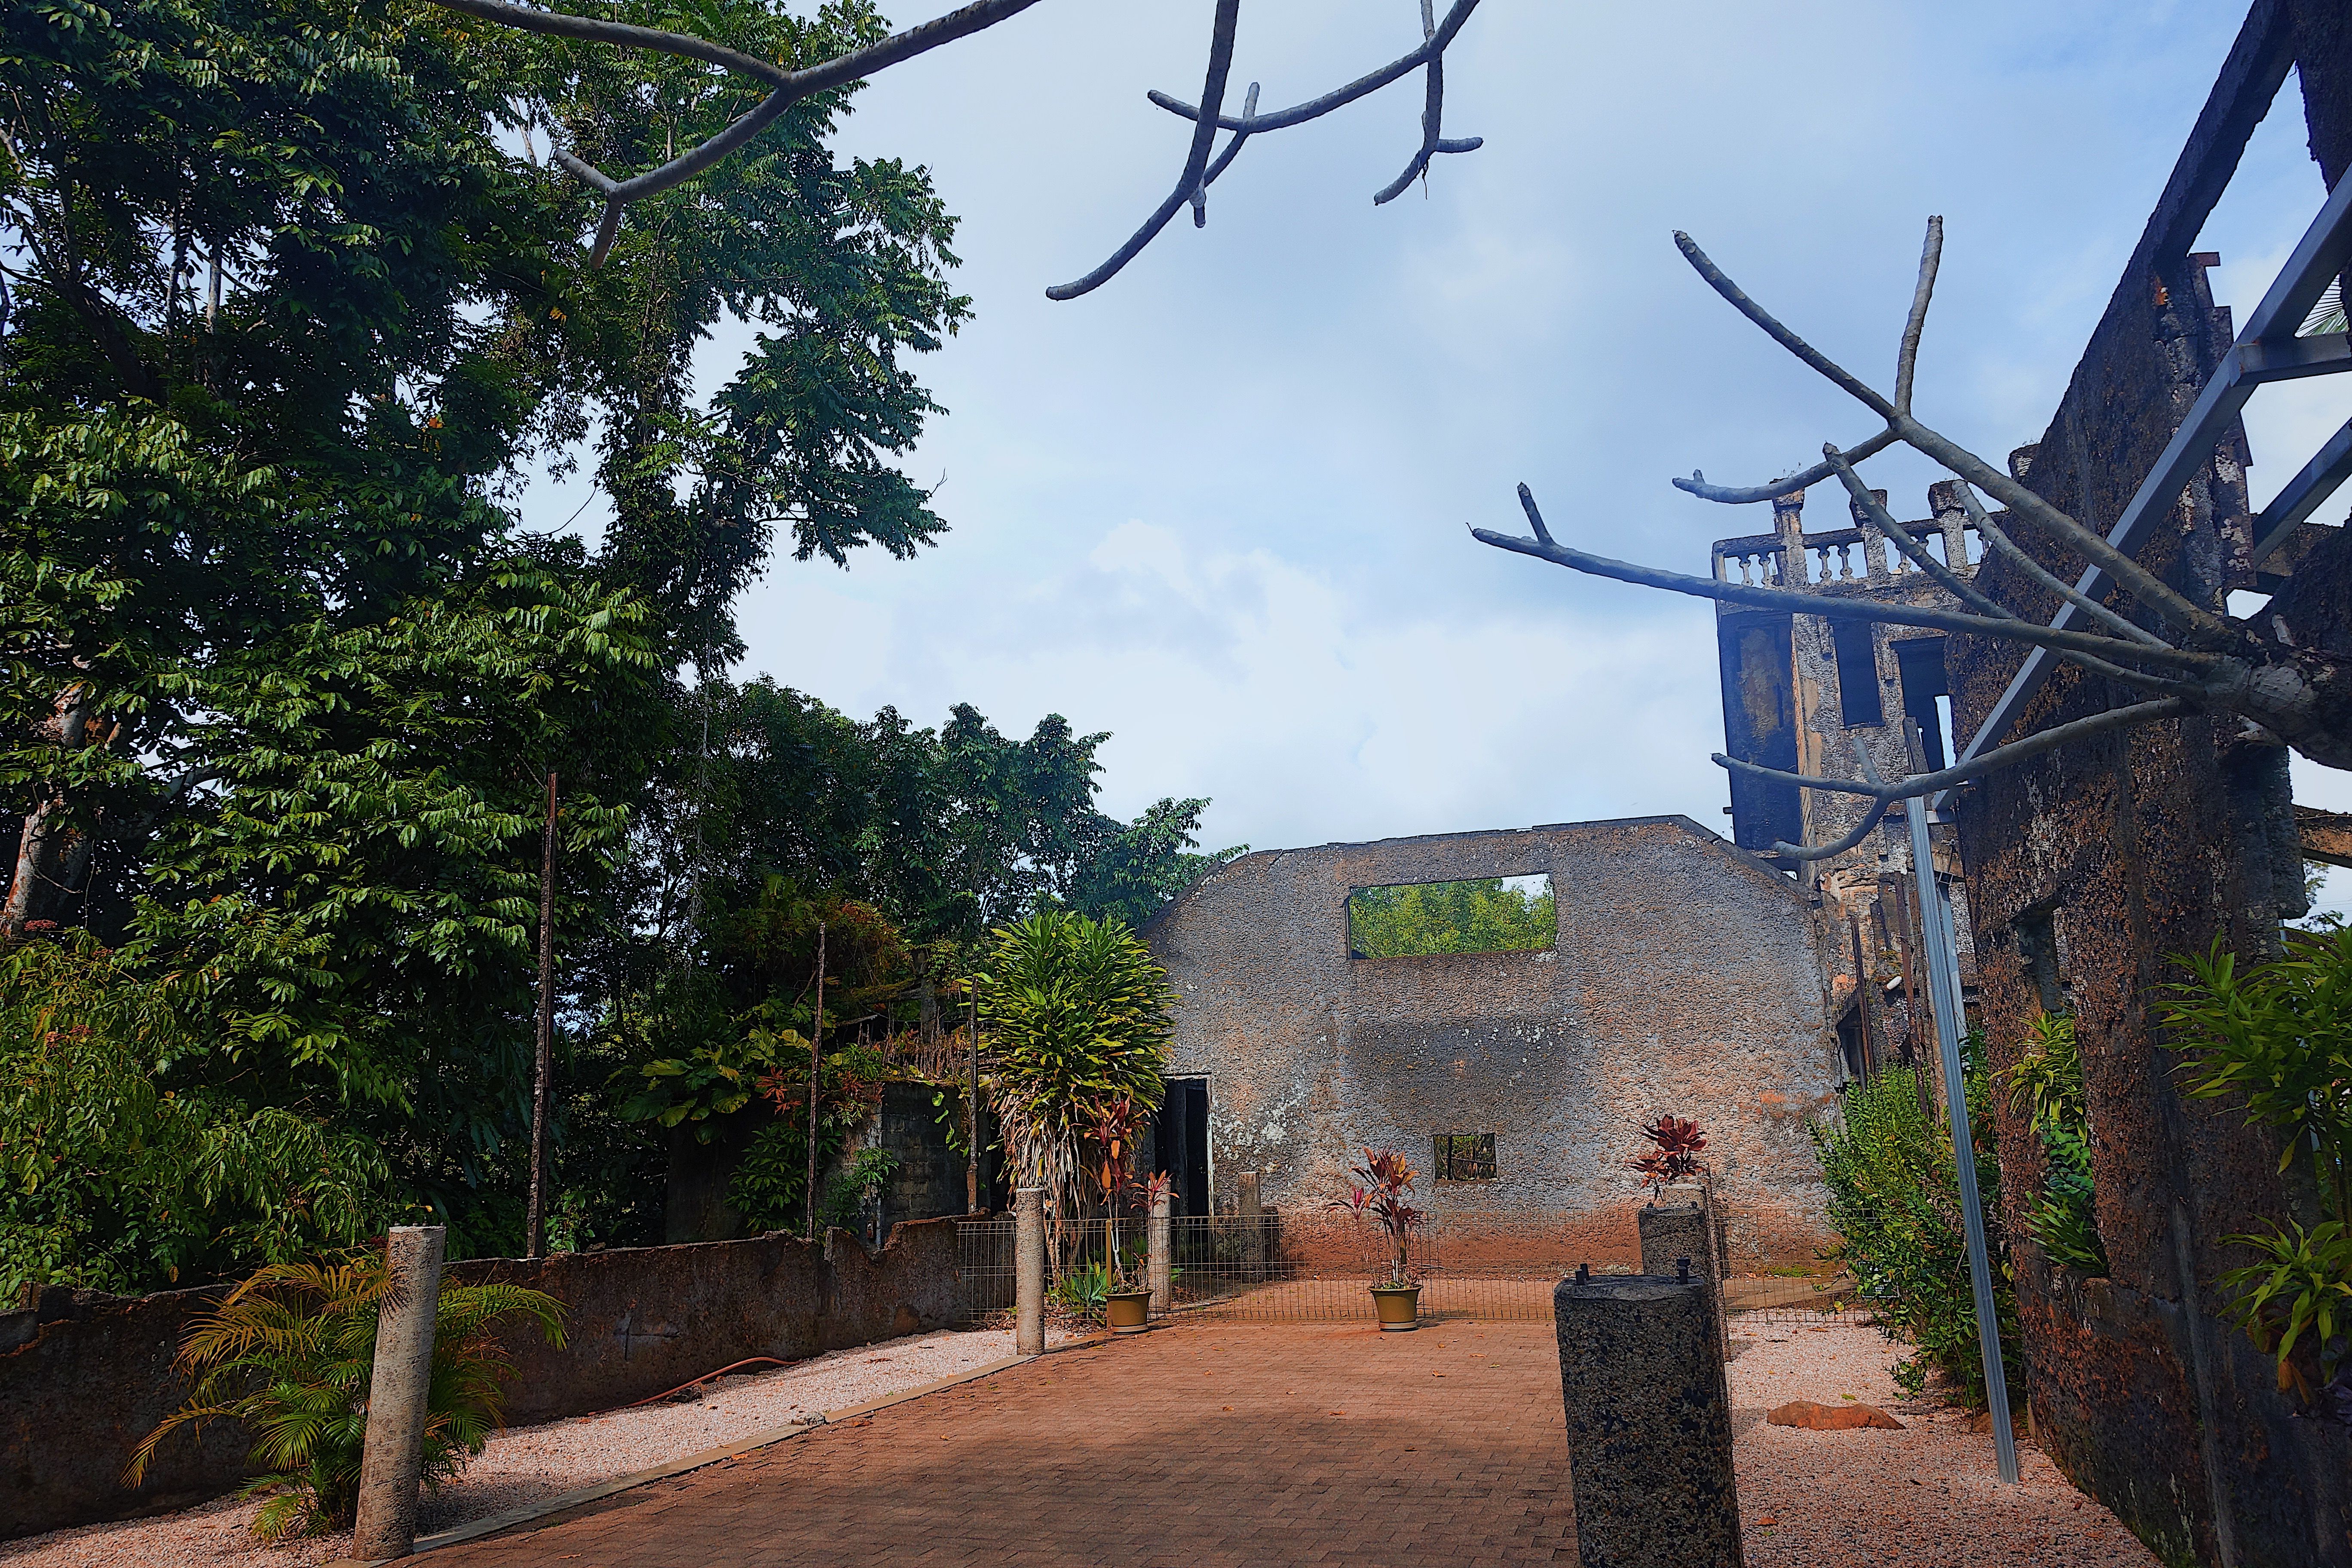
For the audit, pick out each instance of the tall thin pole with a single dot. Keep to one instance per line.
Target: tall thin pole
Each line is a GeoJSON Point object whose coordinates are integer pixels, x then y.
{"type": "Point", "coordinates": [971, 1142]}
{"type": "Point", "coordinates": [535, 1224]}
{"type": "Point", "coordinates": [816, 1038]}
{"type": "Point", "coordinates": [1943, 992]}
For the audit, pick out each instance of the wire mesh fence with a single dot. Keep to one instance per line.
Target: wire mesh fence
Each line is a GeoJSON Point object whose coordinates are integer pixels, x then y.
{"type": "Point", "coordinates": [1287, 1268]}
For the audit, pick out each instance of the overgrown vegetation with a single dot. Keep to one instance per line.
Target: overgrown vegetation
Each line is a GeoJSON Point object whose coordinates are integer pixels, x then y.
{"type": "Point", "coordinates": [1491, 914]}
{"type": "Point", "coordinates": [2047, 1086]}
{"type": "Point", "coordinates": [2278, 1039]}
{"type": "Point", "coordinates": [290, 1353]}
{"type": "Point", "coordinates": [292, 311]}
{"type": "Point", "coordinates": [1893, 1187]}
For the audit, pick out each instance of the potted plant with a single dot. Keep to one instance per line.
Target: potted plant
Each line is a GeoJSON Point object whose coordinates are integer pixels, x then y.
{"type": "Point", "coordinates": [1126, 1306]}
{"type": "Point", "coordinates": [1673, 1154]}
{"type": "Point", "coordinates": [1382, 1182]}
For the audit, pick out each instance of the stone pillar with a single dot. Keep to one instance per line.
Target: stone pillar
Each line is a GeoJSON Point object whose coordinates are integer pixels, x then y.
{"type": "Point", "coordinates": [1672, 1231]}
{"type": "Point", "coordinates": [1029, 1270]}
{"type": "Point", "coordinates": [1253, 1220]}
{"type": "Point", "coordinates": [1161, 1262]}
{"type": "Point", "coordinates": [1649, 1423]}
{"type": "Point", "coordinates": [392, 1459]}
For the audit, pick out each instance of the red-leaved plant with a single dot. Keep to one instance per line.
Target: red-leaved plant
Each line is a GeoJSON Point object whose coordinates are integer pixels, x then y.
{"type": "Point", "coordinates": [1382, 1182]}
{"type": "Point", "coordinates": [1112, 1133]}
{"type": "Point", "coordinates": [1674, 1154]}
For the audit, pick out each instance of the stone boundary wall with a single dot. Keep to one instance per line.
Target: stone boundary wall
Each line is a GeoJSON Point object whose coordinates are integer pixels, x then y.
{"type": "Point", "coordinates": [83, 1377]}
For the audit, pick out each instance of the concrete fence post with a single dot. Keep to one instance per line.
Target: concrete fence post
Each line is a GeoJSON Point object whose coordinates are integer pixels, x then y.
{"type": "Point", "coordinates": [391, 1461]}
{"type": "Point", "coordinates": [1674, 1231]}
{"type": "Point", "coordinates": [1159, 1266]}
{"type": "Point", "coordinates": [1649, 1423]}
{"type": "Point", "coordinates": [1252, 1217]}
{"type": "Point", "coordinates": [1029, 1263]}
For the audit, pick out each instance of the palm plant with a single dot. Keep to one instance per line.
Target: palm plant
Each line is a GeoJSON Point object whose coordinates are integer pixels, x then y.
{"type": "Point", "coordinates": [290, 1354]}
{"type": "Point", "coordinates": [1077, 1015]}
{"type": "Point", "coordinates": [1381, 1185]}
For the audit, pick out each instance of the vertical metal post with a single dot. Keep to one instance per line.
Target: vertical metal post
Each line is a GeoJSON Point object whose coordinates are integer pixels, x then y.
{"type": "Point", "coordinates": [816, 1038]}
{"type": "Point", "coordinates": [1944, 995]}
{"type": "Point", "coordinates": [971, 1141]}
{"type": "Point", "coordinates": [535, 1221]}
{"type": "Point", "coordinates": [1252, 1215]}
{"type": "Point", "coordinates": [1029, 1272]}
{"type": "Point", "coordinates": [391, 1456]}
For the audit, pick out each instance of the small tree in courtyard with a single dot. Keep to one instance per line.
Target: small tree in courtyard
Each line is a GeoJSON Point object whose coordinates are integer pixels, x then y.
{"type": "Point", "coordinates": [1076, 1012]}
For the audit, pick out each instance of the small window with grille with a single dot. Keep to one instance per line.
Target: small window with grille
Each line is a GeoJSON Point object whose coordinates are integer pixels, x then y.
{"type": "Point", "coordinates": [1464, 1156]}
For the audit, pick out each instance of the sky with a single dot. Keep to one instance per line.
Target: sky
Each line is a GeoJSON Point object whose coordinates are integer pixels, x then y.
{"type": "Point", "coordinates": [1218, 506]}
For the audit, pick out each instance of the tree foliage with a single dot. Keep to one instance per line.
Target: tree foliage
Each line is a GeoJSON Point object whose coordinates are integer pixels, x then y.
{"type": "Point", "coordinates": [1077, 1014]}
{"type": "Point", "coordinates": [1489, 914]}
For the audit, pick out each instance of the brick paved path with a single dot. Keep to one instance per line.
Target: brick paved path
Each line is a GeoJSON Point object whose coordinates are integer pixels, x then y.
{"type": "Point", "coordinates": [1189, 1447]}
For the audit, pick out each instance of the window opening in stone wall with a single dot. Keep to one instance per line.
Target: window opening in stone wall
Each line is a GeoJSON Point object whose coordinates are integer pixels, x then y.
{"type": "Point", "coordinates": [1921, 660]}
{"type": "Point", "coordinates": [1857, 670]}
{"type": "Point", "coordinates": [1464, 1156]}
{"type": "Point", "coordinates": [1484, 914]}
{"type": "Point", "coordinates": [2037, 943]}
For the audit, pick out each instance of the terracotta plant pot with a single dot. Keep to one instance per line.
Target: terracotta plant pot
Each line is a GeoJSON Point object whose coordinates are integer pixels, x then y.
{"type": "Point", "coordinates": [1128, 1311]}
{"type": "Point", "coordinates": [1399, 1307]}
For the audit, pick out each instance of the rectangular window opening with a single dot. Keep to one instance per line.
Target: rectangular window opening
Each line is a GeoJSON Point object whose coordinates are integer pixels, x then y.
{"type": "Point", "coordinates": [1921, 660]}
{"type": "Point", "coordinates": [1483, 914]}
{"type": "Point", "coordinates": [1464, 1156]}
{"type": "Point", "coordinates": [1857, 669]}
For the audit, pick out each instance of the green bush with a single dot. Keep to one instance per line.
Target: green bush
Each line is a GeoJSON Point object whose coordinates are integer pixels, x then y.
{"type": "Point", "coordinates": [2047, 1085]}
{"type": "Point", "coordinates": [120, 1169]}
{"type": "Point", "coordinates": [290, 1354]}
{"type": "Point", "coordinates": [1895, 1198]}
{"type": "Point", "coordinates": [2279, 1037]}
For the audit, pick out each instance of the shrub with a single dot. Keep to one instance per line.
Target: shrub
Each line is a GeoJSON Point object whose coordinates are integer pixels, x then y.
{"type": "Point", "coordinates": [1894, 1189]}
{"type": "Point", "coordinates": [290, 1353]}
{"type": "Point", "coordinates": [2047, 1085]}
{"type": "Point", "coordinates": [2279, 1036]}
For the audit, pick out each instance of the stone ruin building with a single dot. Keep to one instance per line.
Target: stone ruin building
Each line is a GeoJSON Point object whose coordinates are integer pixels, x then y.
{"type": "Point", "coordinates": [1686, 976]}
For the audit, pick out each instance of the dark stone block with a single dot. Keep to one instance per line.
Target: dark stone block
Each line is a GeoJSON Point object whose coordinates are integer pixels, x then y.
{"type": "Point", "coordinates": [1649, 1423]}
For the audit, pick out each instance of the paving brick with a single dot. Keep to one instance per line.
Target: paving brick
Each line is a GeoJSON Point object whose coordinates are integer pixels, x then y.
{"type": "Point", "coordinates": [1126, 1452]}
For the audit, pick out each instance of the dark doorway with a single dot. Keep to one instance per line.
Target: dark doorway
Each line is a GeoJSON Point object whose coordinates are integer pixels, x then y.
{"type": "Point", "coordinates": [1922, 663]}
{"type": "Point", "coordinates": [1179, 1142]}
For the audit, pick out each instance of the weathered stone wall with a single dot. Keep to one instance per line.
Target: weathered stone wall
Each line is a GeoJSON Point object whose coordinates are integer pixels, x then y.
{"type": "Point", "coordinates": [1687, 978]}
{"type": "Point", "coordinates": [82, 1379]}
{"type": "Point", "coordinates": [2134, 848]}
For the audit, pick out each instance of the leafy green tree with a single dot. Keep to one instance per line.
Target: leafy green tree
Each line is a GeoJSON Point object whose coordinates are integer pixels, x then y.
{"type": "Point", "coordinates": [1483, 915]}
{"type": "Point", "coordinates": [1077, 1014]}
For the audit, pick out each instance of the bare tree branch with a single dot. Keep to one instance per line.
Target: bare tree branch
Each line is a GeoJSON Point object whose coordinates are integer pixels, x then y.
{"type": "Point", "coordinates": [1906, 360]}
{"type": "Point", "coordinates": [1208, 118]}
{"type": "Point", "coordinates": [1803, 480]}
{"type": "Point", "coordinates": [1952, 581]}
{"type": "Point", "coordinates": [1432, 118]}
{"type": "Point", "coordinates": [2135, 580]}
{"type": "Point", "coordinates": [1784, 851]}
{"type": "Point", "coordinates": [1338, 98]}
{"type": "Point", "coordinates": [1545, 547]}
{"type": "Point", "coordinates": [2016, 751]}
{"type": "Point", "coordinates": [1196, 163]}
{"type": "Point", "coordinates": [2000, 541]}
{"type": "Point", "coordinates": [791, 87]}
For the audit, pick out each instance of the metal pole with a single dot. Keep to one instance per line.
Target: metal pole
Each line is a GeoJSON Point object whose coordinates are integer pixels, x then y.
{"type": "Point", "coordinates": [816, 1036]}
{"type": "Point", "coordinates": [535, 1222]}
{"type": "Point", "coordinates": [971, 1146]}
{"type": "Point", "coordinates": [1944, 995]}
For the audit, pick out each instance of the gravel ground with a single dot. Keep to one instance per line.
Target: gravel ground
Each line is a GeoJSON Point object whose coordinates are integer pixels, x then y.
{"type": "Point", "coordinates": [529, 1463]}
{"type": "Point", "coordinates": [1926, 1495]}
